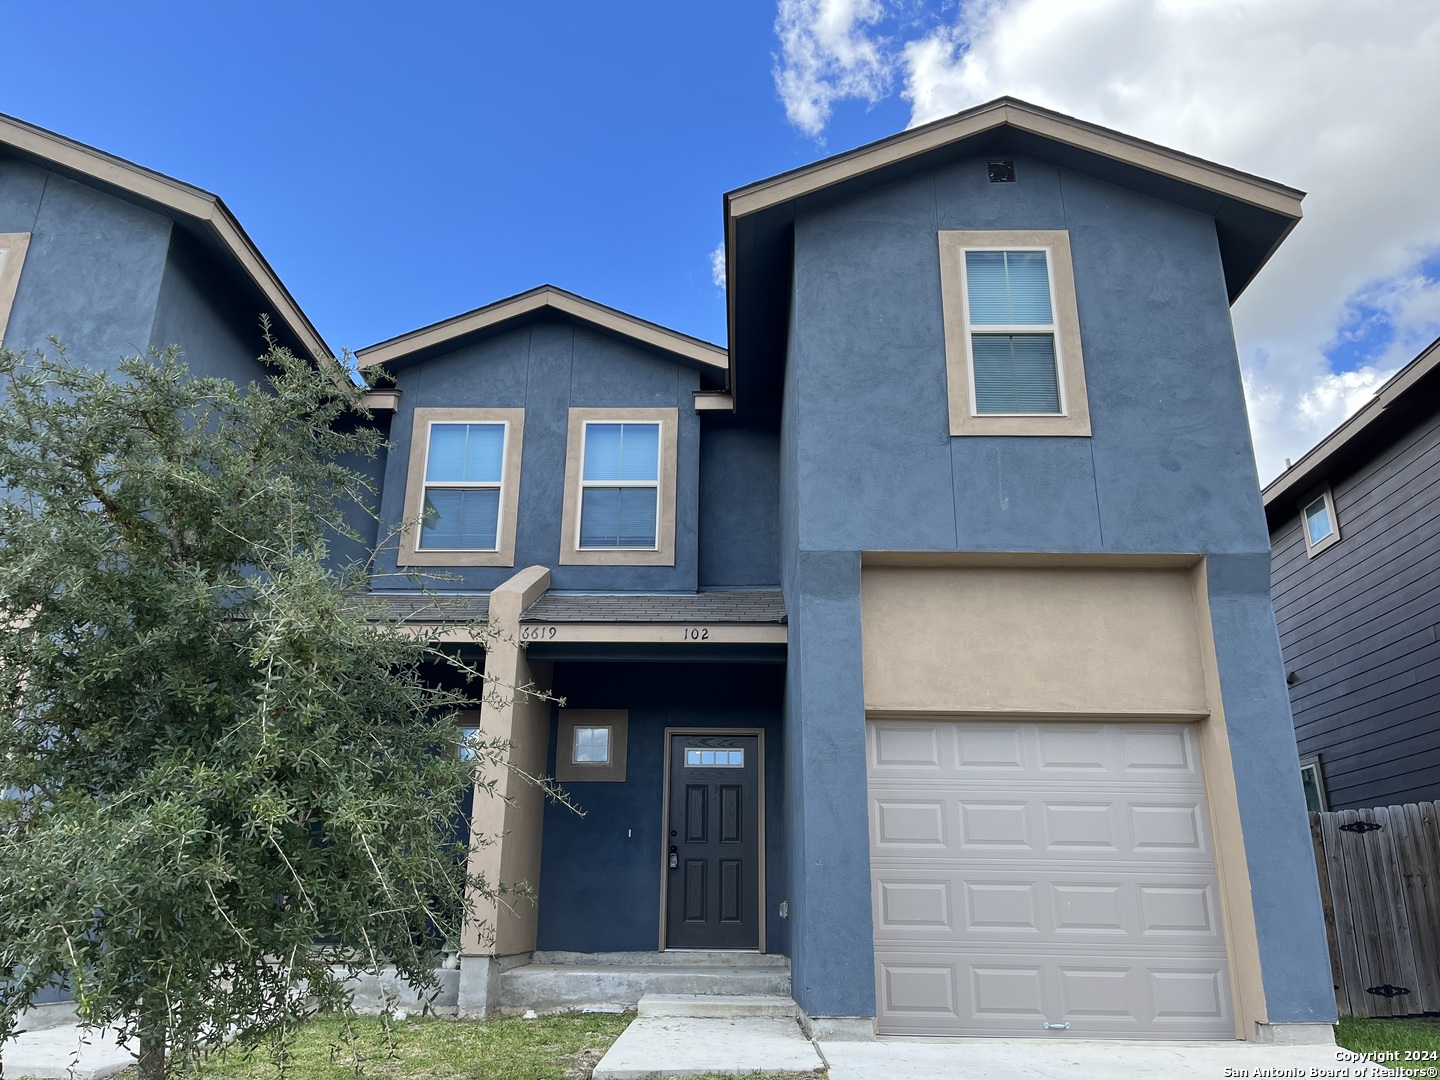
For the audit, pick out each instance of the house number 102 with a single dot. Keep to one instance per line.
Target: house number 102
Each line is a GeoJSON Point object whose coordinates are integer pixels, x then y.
{"type": "Point", "coordinates": [697, 633]}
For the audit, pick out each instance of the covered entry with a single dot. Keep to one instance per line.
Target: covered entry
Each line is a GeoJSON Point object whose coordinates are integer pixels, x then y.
{"type": "Point", "coordinates": [1029, 874]}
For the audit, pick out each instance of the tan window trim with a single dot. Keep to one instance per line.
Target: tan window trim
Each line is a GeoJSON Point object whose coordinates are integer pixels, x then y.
{"type": "Point", "coordinates": [12, 257]}
{"type": "Point", "coordinates": [1070, 363]}
{"type": "Point", "coordinates": [663, 554]}
{"type": "Point", "coordinates": [567, 769]}
{"type": "Point", "coordinates": [504, 554]}
{"type": "Point", "coordinates": [1320, 493]}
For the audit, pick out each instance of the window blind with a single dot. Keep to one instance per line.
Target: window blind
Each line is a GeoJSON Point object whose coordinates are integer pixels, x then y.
{"type": "Point", "coordinates": [1008, 288]}
{"type": "Point", "coordinates": [622, 452]}
{"type": "Point", "coordinates": [465, 453]}
{"type": "Point", "coordinates": [463, 518]}
{"type": "Point", "coordinates": [1015, 373]}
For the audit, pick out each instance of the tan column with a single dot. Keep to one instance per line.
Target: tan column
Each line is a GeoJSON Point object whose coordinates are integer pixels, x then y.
{"type": "Point", "coordinates": [505, 827]}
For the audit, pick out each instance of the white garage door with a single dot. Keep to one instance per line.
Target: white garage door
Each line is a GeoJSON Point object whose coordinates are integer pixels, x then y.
{"type": "Point", "coordinates": [1034, 873]}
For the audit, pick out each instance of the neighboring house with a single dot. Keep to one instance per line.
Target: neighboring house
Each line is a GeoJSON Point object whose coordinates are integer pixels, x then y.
{"type": "Point", "coordinates": [1355, 532]}
{"type": "Point", "coordinates": [924, 637]}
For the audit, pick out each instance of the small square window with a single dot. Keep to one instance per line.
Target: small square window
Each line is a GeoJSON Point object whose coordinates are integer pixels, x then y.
{"type": "Point", "coordinates": [1318, 523]}
{"type": "Point", "coordinates": [591, 746]}
{"type": "Point", "coordinates": [464, 735]}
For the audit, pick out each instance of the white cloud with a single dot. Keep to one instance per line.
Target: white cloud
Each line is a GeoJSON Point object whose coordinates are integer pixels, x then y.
{"type": "Point", "coordinates": [826, 55]}
{"type": "Point", "coordinates": [717, 265]}
{"type": "Point", "coordinates": [1330, 96]}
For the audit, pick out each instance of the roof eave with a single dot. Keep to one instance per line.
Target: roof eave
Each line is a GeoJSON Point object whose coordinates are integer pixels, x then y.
{"type": "Point", "coordinates": [493, 317]}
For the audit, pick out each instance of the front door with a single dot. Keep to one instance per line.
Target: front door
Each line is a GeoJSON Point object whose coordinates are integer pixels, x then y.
{"type": "Point", "coordinates": [713, 843]}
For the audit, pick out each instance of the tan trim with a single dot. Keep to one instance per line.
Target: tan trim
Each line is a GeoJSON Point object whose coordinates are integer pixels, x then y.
{"type": "Point", "coordinates": [568, 770]}
{"type": "Point", "coordinates": [1313, 462]}
{"type": "Point", "coordinates": [1074, 418]}
{"type": "Point", "coordinates": [1027, 558]}
{"type": "Point", "coordinates": [1242, 940]}
{"type": "Point", "coordinates": [181, 198]}
{"type": "Point", "coordinates": [506, 832]}
{"type": "Point", "coordinates": [1313, 549]}
{"type": "Point", "coordinates": [1165, 717]}
{"type": "Point", "coordinates": [411, 554]}
{"type": "Point", "coordinates": [710, 401]}
{"type": "Point", "coordinates": [698, 633]}
{"type": "Point", "coordinates": [1022, 116]}
{"type": "Point", "coordinates": [381, 400]}
{"type": "Point", "coordinates": [547, 296]}
{"type": "Point", "coordinates": [12, 257]}
{"type": "Point", "coordinates": [663, 554]}
{"type": "Point", "coordinates": [665, 821]}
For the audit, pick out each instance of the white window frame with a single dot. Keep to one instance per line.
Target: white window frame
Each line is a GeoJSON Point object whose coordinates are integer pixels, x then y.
{"type": "Point", "coordinates": [654, 485]}
{"type": "Point", "coordinates": [1311, 763]}
{"type": "Point", "coordinates": [503, 553]}
{"type": "Point", "coordinates": [663, 553]}
{"type": "Point", "coordinates": [997, 330]}
{"type": "Point", "coordinates": [965, 419]}
{"type": "Point", "coordinates": [497, 486]}
{"type": "Point", "coordinates": [1318, 495]}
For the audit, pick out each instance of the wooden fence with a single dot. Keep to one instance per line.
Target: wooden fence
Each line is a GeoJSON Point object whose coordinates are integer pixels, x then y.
{"type": "Point", "coordinates": [1380, 885]}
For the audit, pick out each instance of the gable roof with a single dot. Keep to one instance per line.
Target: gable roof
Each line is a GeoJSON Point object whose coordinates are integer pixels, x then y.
{"type": "Point", "coordinates": [1400, 401]}
{"type": "Point", "coordinates": [527, 307]}
{"type": "Point", "coordinates": [1252, 215]}
{"type": "Point", "coordinates": [200, 213]}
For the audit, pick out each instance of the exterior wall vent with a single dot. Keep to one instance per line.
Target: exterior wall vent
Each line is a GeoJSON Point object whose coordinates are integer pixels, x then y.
{"type": "Point", "coordinates": [1001, 172]}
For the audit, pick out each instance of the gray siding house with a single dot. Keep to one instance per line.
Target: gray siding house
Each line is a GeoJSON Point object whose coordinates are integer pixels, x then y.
{"type": "Point", "coordinates": [1355, 535]}
{"type": "Point", "coordinates": [917, 650]}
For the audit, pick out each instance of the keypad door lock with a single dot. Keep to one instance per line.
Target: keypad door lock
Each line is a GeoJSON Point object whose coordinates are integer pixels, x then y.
{"type": "Point", "coordinates": [674, 858]}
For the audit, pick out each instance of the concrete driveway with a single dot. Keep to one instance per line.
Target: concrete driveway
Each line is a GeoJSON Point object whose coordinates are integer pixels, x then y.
{"type": "Point", "coordinates": [1034, 1059]}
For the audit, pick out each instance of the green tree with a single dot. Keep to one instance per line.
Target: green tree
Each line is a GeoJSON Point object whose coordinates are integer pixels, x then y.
{"type": "Point", "coordinates": [227, 783]}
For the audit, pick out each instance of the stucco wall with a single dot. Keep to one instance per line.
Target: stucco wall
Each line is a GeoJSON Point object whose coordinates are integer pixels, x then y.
{"type": "Point", "coordinates": [600, 873]}
{"type": "Point", "coordinates": [546, 368]}
{"type": "Point", "coordinates": [867, 457]}
{"type": "Point", "coordinates": [739, 503]}
{"type": "Point", "coordinates": [93, 271]}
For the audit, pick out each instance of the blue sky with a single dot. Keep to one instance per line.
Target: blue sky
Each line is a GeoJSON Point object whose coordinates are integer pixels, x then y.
{"type": "Point", "coordinates": [399, 164]}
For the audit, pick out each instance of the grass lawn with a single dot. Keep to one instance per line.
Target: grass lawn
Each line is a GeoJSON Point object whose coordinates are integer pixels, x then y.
{"type": "Point", "coordinates": [1372, 1036]}
{"type": "Point", "coordinates": [550, 1048]}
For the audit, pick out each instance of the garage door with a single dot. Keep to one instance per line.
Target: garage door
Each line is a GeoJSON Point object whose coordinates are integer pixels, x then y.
{"type": "Point", "coordinates": [1027, 874]}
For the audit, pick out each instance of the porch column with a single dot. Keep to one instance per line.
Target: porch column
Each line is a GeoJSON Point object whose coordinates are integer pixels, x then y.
{"type": "Point", "coordinates": [505, 828]}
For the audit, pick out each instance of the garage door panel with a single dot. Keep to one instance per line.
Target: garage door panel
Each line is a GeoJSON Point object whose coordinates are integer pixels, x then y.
{"type": "Point", "coordinates": [946, 906]}
{"type": "Point", "coordinates": [1029, 872]}
{"type": "Point", "coordinates": [949, 819]}
{"type": "Point", "coordinates": [1002, 750]}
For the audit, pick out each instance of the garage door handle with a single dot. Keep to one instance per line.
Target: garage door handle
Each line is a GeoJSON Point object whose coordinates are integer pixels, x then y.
{"type": "Point", "coordinates": [1057, 1027]}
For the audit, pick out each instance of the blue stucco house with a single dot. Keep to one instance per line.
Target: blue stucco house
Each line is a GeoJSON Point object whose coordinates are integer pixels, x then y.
{"type": "Point", "coordinates": [917, 650]}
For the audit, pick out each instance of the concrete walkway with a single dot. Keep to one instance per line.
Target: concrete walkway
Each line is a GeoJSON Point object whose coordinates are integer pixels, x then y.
{"type": "Point", "coordinates": [689, 1046]}
{"type": "Point", "coordinates": [64, 1051]}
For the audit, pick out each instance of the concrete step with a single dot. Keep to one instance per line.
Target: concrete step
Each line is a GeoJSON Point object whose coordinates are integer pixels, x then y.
{"type": "Point", "coordinates": [558, 987]}
{"type": "Point", "coordinates": [674, 957]}
{"type": "Point", "coordinates": [721, 1006]}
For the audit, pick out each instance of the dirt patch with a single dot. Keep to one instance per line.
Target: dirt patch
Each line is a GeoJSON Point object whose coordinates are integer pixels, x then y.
{"type": "Point", "coordinates": [581, 1065]}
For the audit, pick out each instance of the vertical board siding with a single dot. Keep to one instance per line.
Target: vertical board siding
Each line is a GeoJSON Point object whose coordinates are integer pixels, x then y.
{"type": "Point", "coordinates": [1360, 628]}
{"type": "Point", "coordinates": [1381, 894]}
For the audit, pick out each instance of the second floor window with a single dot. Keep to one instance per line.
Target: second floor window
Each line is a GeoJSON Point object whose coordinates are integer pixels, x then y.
{"type": "Point", "coordinates": [464, 466]}
{"type": "Point", "coordinates": [1012, 328]}
{"type": "Point", "coordinates": [620, 486]}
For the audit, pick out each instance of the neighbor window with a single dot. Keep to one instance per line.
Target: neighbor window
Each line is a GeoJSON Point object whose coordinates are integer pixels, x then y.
{"type": "Point", "coordinates": [463, 487]}
{"type": "Point", "coordinates": [620, 469]}
{"type": "Point", "coordinates": [1313, 783]}
{"type": "Point", "coordinates": [12, 255]}
{"type": "Point", "coordinates": [590, 745]}
{"type": "Point", "coordinates": [1318, 522]}
{"type": "Point", "coordinates": [1013, 356]}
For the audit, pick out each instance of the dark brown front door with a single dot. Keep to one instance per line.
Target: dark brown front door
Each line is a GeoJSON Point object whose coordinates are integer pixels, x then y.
{"type": "Point", "coordinates": [713, 843]}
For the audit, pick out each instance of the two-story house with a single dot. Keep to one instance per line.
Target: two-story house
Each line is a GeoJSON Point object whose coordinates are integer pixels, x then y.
{"type": "Point", "coordinates": [1355, 535]}
{"type": "Point", "coordinates": [916, 651]}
